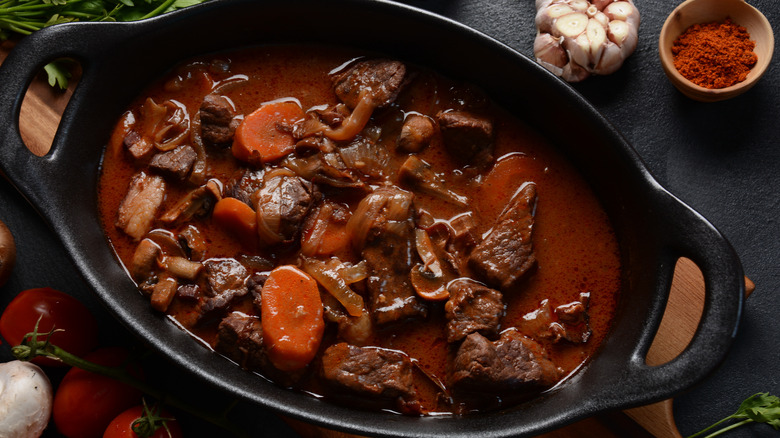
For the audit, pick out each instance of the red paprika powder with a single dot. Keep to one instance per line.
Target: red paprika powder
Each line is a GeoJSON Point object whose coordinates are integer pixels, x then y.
{"type": "Point", "coordinates": [714, 55]}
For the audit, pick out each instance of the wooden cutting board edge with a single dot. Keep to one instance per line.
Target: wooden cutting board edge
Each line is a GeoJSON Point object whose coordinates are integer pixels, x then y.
{"type": "Point", "coordinates": [681, 317]}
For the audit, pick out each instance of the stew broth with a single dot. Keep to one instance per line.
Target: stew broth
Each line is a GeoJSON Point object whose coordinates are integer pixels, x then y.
{"type": "Point", "coordinates": [577, 262]}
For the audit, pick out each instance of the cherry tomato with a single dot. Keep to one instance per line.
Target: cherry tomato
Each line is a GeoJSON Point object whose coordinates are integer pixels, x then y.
{"type": "Point", "coordinates": [85, 403]}
{"type": "Point", "coordinates": [122, 425]}
{"type": "Point", "coordinates": [54, 308]}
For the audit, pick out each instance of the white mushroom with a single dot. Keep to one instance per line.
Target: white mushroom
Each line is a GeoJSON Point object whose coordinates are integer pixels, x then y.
{"type": "Point", "coordinates": [25, 400]}
{"type": "Point", "coordinates": [577, 38]}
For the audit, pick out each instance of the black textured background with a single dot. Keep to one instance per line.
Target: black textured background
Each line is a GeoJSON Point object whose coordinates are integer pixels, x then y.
{"type": "Point", "coordinates": [721, 158]}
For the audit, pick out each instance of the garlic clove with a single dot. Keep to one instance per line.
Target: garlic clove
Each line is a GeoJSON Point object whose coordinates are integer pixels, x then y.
{"type": "Point", "coordinates": [601, 18]}
{"type": "Point", "coordinates": [578, 49]}
{"type": "Point", "coordinates": [570, 25]}
{"type": "Point", "coordinates": [547, 16]}
{"type": "Point", "coordinates": [611, 59]}
{"type": "Point", "coordinates": [573, 72]}
{"type": "Point", "coordinates": [550, 53]}
{"type": "Point", "coordinates": [624, 11]}
{"type": "Point", "coordinates": [597, 38]}
{"type": "Point", "coordinates": [579, 5]}
{"type": "Point", "coordinates": [541, 4]}
{"type": "Point", "coordinates": [618, 31]}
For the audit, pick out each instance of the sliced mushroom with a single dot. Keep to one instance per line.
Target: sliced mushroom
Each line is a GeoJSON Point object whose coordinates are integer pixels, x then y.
{"type": "Point", "coordinates": [163, 292]}
{"type": "Point", "coordinates": [144, 261]}
{"type": "Point", "coordinates": [197, 202]}
{"type": "Point", "coordinates": [428, 277]}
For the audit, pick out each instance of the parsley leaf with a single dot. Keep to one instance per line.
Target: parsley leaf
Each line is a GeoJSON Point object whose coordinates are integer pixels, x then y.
{"type": "Point", "coordinates": [57, 73]}
{"type": "Point", "coordinates": [758, 408]}
{"type": "Point", "coordinates": [23, 17]}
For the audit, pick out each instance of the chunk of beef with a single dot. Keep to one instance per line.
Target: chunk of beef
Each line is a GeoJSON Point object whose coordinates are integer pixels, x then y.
{"type": "Point", "coordinates": [176, 163]}
{"type": "Point", "coordinates": [369, 371]}
{"type": "Point", "coordinates": [282, 205]}
{"type": "Point", "coordinates": [468, 137]}
{"type": "Point", "coordinates": [189, 291]}
{"type": "Point", "coordinates": [506, 254]}
{"type": "Point", "coordinates": [254, 285]}
{"type": "Point", "coordinates": [541, 325]}
{"type": "Point", "coordinates": [217, 120]}
{"type": "Point", "coordinates": [472, 307]}
{"type": "Point", "coordinates": [316, 120]}
{"type": "Point", "coordinates": [240, 337]}
{"type": "Point", "coordinates": [226, 279]}
{"type": "Point", "coordinates": [512, 364]}
{"type": "Point", "coordinates": [244, 185]}
{"type": "Point", "coordinates": [140, 148]}
{"type": "Point", "coordinates": [381, 79]}
{"type": "Point", "coordinates": [568, 321]}
{"type": "Point", "coordinates": [139, 207]}
{"type": "Point", "coordinates": [382, 228]}
{"type": "Point", "coordinates": [416, 133]}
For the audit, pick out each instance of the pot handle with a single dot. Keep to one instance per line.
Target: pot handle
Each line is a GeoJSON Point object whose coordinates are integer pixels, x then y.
{"type": "Point", "coordinates": [692, 236]}
{"type": "Point", "coordinates": [78, 41]}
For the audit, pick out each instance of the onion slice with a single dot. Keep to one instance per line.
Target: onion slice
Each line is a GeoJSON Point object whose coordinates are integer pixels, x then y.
{"type": "Point", "coordinates": [328, 276]}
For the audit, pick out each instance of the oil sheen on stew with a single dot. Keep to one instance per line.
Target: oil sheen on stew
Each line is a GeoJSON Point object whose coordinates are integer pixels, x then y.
{"type": "Point", "coordinates": [361, 229]}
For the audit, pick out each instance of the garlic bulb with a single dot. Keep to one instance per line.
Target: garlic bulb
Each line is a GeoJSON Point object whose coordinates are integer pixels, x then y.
{"type": "Point", "coordinates": [577, 38]}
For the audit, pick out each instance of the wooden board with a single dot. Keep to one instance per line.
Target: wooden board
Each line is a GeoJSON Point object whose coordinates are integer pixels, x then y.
{"type": "Point", "coordinates": [39, 119]}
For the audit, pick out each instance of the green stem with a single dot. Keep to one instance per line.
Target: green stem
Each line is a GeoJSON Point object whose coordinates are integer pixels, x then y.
{"type": "Point", "coordinates": [29, 26]}
{"type": "Point", "coordinates": [158, 10]}
{"type": "Point", "coordinates": [27, 7]}
{"type": "Point", "coordinates": [726, 429]}
{"type": "Point", "coordinates": [33, 348]}
{"type": "Point", "coordinates": [78, 14]}
{"type": "Point", "coordinates": [714, 425]}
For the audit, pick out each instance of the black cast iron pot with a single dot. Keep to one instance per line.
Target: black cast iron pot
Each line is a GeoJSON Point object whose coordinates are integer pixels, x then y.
{"type": "Point", "coordinates": [654, 228]}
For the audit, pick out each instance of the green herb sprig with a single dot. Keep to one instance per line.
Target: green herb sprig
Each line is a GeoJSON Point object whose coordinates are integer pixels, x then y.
{"type": "Point", "coordinates": [758, 408]}
{"type": "Point", "coordinates": [23, 17]}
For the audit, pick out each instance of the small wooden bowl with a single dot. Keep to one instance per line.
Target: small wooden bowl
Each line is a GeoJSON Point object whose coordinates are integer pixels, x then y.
{"type": "Point", "coordinates": [693, 12]}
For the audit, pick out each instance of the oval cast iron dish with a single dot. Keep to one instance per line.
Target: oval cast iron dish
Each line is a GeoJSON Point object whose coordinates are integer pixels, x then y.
{"type": "Point", "coordinates": [654, 228]}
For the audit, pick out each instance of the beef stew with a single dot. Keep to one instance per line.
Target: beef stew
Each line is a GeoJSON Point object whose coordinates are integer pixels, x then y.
{"type": "Point", "coordinates": [452, 248]}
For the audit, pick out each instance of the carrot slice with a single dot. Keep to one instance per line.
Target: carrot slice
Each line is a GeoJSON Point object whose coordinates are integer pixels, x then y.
{"type": "Point", "coordinates": [291, 316]}
{"type": "Point", "coordinates": [326, 236]}
{"type": "Point", "coordinates": [264, 135]}
{"type": "Point", "coordinates": [237, 218]}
